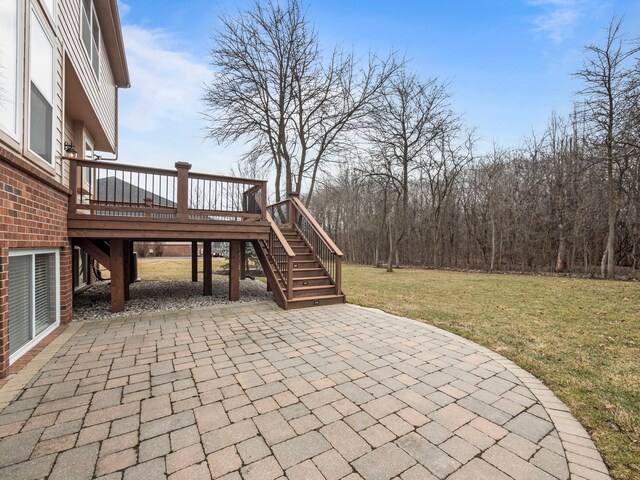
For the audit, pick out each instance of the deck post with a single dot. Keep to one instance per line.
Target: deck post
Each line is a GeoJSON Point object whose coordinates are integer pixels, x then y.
{"type": "Point", "coordinates": [126, 266]}
{"type": "Point", "coordinates": [182, 197]}
{"type": "Point", "coordinates": [194, 261]}
{"type": "Point", "coordinates": [234, 270]}
{"type": "Point", "coordinates": [263, 201]}
{"type": "Point", "coordinates": [243, 260]}
{"type": "Point", "coordinates": [73, 184]}
{"type": "Point", "coordinates": [117, 275]}
{"type": "Point", "coordinates": [291, 209]}
{"type": "Point", "coordinates": [207, 286]}
{"type": "Point", "coordinates": [133, 267]}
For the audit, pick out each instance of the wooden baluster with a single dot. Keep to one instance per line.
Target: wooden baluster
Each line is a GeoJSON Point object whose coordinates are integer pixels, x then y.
{"type": "Point", "coordinates": [183, 189]}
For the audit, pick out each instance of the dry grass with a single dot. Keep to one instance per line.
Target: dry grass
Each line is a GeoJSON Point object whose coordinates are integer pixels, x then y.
{"type": "Point", "coordinates": [580, 337]}
{"type": "Point", "coordinates": [158, 268]}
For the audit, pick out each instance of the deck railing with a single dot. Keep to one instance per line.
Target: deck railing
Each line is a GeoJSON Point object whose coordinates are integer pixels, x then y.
{"type": "Point", "coordinates": [105, 188]}
{"type": "Point", "coordinates": [292, 212]}
{"type": "Point", "coordinates": [282, 256]}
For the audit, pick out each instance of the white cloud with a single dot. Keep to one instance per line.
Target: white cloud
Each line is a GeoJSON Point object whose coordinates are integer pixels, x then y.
{"type": "Point", "coordinates": [558, 18]}
{"type": "Point", "coordinates": [166, 82]}
{"type": "Point", "coordinates": [123, 7]}
{"type": "Point", "coordinates": [159, 116]}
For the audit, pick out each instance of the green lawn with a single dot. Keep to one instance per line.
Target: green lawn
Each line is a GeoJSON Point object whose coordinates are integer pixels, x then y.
{"type": "Point", "coordinates": [580, 337]}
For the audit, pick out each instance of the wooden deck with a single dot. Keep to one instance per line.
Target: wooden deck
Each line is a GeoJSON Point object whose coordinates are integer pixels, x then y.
{"type": "Point", "coordinates": [114, 205]}
{"type": "Point", "coordinates": [141, 203]}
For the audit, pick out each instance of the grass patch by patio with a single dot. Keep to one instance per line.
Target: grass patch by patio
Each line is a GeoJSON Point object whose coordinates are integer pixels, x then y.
{"type": "Point", "coordinates": [580, 337]}
{"type": "Point", "coordinates": [175, 268]}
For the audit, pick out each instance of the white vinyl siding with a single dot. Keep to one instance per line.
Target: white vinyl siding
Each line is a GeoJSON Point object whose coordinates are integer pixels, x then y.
{"type": "Point", "coordinates": [101, 93]}
{"type": "Point", "coordinates": [41, 87]}
{"type": "Point", "coordinates": [10, 67]}
{"type": "Point", "coordinates": [34, 294]}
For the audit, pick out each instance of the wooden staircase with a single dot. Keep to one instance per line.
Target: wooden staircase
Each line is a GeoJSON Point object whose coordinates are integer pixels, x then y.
{"type": "Point", "coordinates": [302, 264]}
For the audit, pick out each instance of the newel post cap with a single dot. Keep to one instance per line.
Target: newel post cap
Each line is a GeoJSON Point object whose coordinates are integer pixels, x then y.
{"type": "Point", "coordinates": [294, 194]}
{"type": "Point", "coordinates": [185, 165]}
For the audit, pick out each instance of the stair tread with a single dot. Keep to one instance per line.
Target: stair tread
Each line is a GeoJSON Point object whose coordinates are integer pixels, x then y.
{"type": "Point", "coordinates": [312, 287]}
{"type": "Point", "coordinates": [317, 297]}
{"type": "Point", "coordinates": [321, 277]}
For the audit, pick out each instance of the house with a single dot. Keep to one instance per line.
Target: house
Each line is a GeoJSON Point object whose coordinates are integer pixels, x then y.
{"type": "Point", "coordinates": [62, 64]}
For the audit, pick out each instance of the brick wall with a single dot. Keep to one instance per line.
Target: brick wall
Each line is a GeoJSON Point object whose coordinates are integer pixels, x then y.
{"type": "Point", "coordinates": [33, 214]}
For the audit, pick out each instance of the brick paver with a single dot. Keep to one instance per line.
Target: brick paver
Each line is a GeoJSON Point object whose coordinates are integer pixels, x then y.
{"type": "Point", "coordinates": [253, 392]}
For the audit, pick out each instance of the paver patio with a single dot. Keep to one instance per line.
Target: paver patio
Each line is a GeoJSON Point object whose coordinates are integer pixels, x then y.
{"type": "Point", "coordinates": [254, 392]}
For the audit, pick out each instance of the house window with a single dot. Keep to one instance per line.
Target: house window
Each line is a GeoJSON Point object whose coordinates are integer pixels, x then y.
{"type": "Point", "coordinates": [10, 69]}
{"type": "Point", "coordinates": [91, 35]}
{"type": "Point", "coordinates": [33, 298]}
{"type": "Point", "coordinates": [42, 73]}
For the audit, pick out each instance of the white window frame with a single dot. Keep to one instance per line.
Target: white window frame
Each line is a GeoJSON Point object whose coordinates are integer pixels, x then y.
{"type": "Point", "coordinates": [33, 342]}
{"type": "Point", "coordinates": [88, 142]}
{"type": "Point", "coordinates": [16, 136]}
{"type": "Point", "coordinates": [92, 15]}
{"type": "Point", "coordinates": [54, 74]}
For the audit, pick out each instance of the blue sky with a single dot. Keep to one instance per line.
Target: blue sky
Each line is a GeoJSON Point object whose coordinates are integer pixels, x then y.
{"type": "Point", "coordinates": [509, 62]}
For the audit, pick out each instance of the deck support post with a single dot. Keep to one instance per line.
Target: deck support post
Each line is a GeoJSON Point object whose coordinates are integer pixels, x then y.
{"type": "Point", "coordinates": [207, 286]}
{"type": "Point", "coordinates": [126, 266]}
{"type": "Point", "coordinates": [234, 270]}
{"type": "Point", "coordinates": [243, 260]}
{"type": "Point", "coordinates": [133, 266]}
{"type": "Point", "coordinates": [117, 275]}
{"type": "Point", "coordinates": [194, 261]}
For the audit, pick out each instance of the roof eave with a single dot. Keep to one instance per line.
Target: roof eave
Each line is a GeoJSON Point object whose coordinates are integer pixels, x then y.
{"type": "Point", "coordinates": [109, 17]}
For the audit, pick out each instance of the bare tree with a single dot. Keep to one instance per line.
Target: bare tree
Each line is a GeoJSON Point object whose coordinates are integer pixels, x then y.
{"type": "Point", "coordinates": [607, 75]}
{"type": "Point", "coordinates": [405, 119]}
{"type": "Point", "coordinates": [273, 88]}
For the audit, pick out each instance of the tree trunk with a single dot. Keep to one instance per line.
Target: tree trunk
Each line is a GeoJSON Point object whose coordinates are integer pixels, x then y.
{"type": "Point", "coordinates": [561, 260]}
{"type": "Point", "coordinates": [493, 244]}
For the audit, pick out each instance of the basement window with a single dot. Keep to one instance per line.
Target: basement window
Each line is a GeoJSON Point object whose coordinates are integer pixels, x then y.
{"type": "Point", "coordinates": [34, 293]}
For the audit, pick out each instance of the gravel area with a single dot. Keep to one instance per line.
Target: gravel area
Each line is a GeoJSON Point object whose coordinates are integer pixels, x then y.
{"type": "Point", "coordinates": [157, 296]}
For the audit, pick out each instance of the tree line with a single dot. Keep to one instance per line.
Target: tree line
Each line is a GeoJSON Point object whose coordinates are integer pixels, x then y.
{"type": "Point", "coordinates": [394, 175]}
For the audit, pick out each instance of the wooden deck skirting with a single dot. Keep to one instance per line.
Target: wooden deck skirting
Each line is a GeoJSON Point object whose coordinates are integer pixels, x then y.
{"type": "Point", "coordinates": [113, 205]}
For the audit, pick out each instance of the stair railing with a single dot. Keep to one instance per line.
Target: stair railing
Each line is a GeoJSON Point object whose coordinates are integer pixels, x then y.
{"type": "Point", "coordinates": [327, 253]}
{"type": "Point", "coordinates": [282, 255]}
